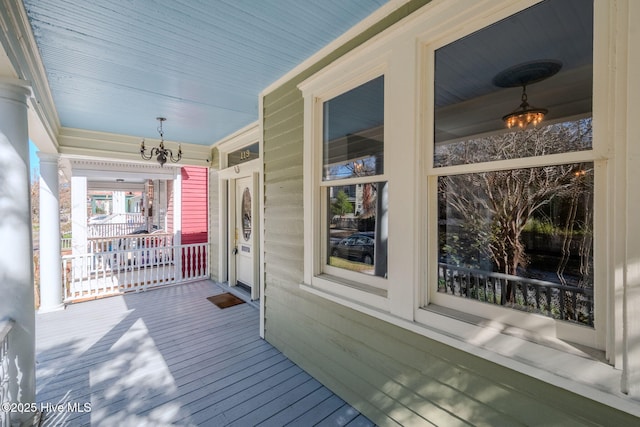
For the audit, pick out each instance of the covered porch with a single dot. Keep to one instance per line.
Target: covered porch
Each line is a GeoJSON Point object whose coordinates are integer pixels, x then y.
{"type": "Point", "coordinates": [171, 357]}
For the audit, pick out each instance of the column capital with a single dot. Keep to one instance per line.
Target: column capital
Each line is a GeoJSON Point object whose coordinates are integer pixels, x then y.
{"type": "Point", "coordinates": [15, 89]}
{"type": "Point", "coordinates": [48, 157]}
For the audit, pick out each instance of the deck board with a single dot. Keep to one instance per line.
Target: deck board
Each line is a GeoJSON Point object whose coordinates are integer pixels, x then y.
{"type": "Point", "coordinates": [171, 357]}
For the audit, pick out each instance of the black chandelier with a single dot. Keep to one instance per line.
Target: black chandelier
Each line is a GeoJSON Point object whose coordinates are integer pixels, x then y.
{"type": "Point", "coordinates": [160, 153]}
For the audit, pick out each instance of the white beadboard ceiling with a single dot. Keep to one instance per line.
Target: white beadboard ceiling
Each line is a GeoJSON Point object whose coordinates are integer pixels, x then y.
{"type": "Point", "coordinates": [114, 66]}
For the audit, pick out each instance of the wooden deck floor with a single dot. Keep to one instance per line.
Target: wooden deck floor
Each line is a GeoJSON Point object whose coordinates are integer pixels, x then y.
{"type": "Point", "coordinates": [171, 357]}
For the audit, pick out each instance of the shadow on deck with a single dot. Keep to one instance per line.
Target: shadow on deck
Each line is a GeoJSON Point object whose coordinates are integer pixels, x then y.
{"type": "Point", "coordinates": [171, 357]}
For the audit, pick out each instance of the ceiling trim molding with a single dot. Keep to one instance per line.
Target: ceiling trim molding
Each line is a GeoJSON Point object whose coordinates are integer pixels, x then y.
{"type": "Point", "coordinates": [20, 46]}
{"type": "Point", "coordinates": [114, 186]}
{"type": "Point", "coordinates": [80, 143]}
{"type": "Point", "coordinates": [131, 172]}
{"type": "Point", "coordinates": [247, 135]}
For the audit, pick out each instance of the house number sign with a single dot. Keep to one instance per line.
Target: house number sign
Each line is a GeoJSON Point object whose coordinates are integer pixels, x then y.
{"type": "Point", "coordinates": [243, 155]}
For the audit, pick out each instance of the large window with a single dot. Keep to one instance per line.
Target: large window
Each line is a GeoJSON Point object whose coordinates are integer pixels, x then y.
{"type": "Point", "coordinates": [515, 206]}
{"type": "Point", "coordinates": [490, 140]}
{"type": "Point", "coordinates": [352, 164]}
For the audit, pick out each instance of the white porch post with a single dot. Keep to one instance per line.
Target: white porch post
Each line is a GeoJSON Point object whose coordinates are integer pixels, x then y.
{"type": "Point", "coordinates": [177, 221]}
{"type": "Point", "coordinates": [119, 202]}
{"type": "Point", "coordinates": [161, 204]}
{"type": "Point", "coordinates": [79, 215]}
{"type": "Point", "coordinates": [16, 252]}
{"type": "Point", "coordinates": [50, 258]}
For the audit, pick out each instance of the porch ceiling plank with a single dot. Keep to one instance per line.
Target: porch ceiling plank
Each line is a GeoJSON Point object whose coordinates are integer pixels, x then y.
{"type": "Point", "coordinates": [169, 356]}
{"type": "Point", "coordinates": [113, 67]}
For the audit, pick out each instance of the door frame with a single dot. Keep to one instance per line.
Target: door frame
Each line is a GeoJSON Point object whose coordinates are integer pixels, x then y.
{"type": "Point", "coordinates": [226, 232]}
{"type": "Point", "coordinates": [232, 216]}
{"type": "Point", "coordinates": [227, 176]}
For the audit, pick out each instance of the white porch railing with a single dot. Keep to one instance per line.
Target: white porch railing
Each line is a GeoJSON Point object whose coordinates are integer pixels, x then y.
{"type": "Point", "coordinates": [137, 269]}
{"type": "Point", "coordinates": [5, 330]}
{"type": "Point", "coordinates": [129, 242]}
{"type": "Point", "coordinates": [114, 228]}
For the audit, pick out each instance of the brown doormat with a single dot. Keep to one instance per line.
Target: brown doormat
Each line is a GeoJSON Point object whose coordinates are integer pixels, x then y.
{"type": "Point", "coordinates": [225, 300]}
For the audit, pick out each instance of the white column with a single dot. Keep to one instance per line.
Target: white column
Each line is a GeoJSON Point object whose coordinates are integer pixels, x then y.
{"type": "Point", "coordinates": [16, 250]}
{"type": "Point", "coordinates": [146, 204]}
{"type": "Point", "coordinates": [119, 202]}
{"type": "Point", "coordinates": [177, 207]}
{"type": "Point", "coordinates": [155, 218]}
{"type": "Point", "coordinates": [50, 258]}
{"type": "Point", "coordinates": [177, 221]}
{"type": "Point", "coordinates": [631, 294]}
{"type": "Point", "coordinates": [79, 215]}
{"type": "Point", "coordinates": [161, 203]}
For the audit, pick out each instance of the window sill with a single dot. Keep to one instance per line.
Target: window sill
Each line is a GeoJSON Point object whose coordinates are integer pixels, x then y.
{"type": "Point", "coordinates": [571, 367]}
{"type": "Point", "coordinates": [348, 293]}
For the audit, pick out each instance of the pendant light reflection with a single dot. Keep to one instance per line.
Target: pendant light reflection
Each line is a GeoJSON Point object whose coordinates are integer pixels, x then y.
{"type": "Point", "coordinates": [522, 75]}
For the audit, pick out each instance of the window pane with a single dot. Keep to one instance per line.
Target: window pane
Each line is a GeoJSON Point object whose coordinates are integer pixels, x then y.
{"type": "Point", "coordinates": [357, 224]}
{"type": "Point", "coordinates": [353, 132]}
{"type": "Point", "coordinates": [476, 87]}
{"type": "Point", "coordinates": [521, 238]}
{"type": "Point", "coordinates": [538, 141]}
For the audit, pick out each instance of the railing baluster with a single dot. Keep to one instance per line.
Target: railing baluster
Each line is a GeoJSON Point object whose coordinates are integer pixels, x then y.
{"type": "Point", "coordinates": [194, 262]}
{"type": "Point", "coordinates": [190, 262]}
{"type": "Point", "coordinates": [451, 279]}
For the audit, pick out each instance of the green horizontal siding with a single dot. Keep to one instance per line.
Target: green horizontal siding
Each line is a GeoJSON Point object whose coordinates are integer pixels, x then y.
{"type": "Point", "coordinates": [393, 376]}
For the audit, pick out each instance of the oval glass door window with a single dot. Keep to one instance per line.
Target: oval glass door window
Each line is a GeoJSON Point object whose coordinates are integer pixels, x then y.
{"type": "Point", "coordinates": [246, 214]}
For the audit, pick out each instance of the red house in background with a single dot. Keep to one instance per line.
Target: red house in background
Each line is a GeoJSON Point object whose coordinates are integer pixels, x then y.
{"type": "Point", "coordinates": [194, 216]}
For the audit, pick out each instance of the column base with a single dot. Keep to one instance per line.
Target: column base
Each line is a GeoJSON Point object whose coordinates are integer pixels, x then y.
{"type": "Point", "coordinates": [58, 307]}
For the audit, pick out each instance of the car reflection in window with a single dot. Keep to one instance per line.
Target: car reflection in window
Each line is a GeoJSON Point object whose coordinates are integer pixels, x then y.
{"type": "Point", "coordinates": [357, 247]}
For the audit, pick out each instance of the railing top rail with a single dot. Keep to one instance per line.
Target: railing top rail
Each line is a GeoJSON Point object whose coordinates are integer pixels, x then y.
{"type": "Point", "coordinates": [5, 327]}
{"type": "Point", "coordinates": [129, 236]}
{"type": "Point", "coordinates": [117, 223]}
{"type": "Point", "coordinates": [189, 245]}
{"type": "Point", "coordinates": [537, 282]}
{"type": "Point", "coordinates": [134, 250]}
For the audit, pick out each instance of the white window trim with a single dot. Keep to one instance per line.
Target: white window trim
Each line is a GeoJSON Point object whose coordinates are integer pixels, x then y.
{"type": "Point", "coordinates": [550, 360]}
{"type": "Point", "coordinates": [351, 285]}
{"type": "Point", "coordinates": [538, 324]}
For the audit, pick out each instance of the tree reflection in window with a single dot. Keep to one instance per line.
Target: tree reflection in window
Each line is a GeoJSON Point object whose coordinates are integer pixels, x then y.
{"type": "Point", "coordinates": [531, 223]}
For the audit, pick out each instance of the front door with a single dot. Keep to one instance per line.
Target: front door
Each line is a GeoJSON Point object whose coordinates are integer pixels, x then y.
{"type": "Point", "coordinates": [245, 233]}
